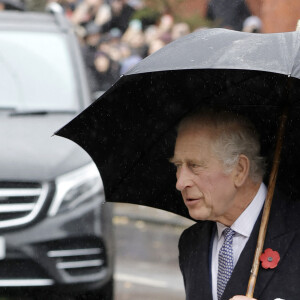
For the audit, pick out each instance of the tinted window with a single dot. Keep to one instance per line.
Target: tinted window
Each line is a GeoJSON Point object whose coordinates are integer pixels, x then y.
{"type": "Point", "coordinates": [36, 72]}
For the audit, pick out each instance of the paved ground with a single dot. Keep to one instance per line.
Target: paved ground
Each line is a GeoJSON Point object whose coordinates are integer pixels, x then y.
{"type": "Point", "coordinates": [147, 253]}
{"type": "Point", "coordinates": [148, 214]}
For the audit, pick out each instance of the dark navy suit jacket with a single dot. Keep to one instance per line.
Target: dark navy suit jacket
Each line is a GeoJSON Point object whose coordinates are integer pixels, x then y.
{"type": "Point", "coordinates": [283, 235]}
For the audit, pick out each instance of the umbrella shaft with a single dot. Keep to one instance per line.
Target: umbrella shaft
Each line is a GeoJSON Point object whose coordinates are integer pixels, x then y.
{"type": "Point", "coordinates": [267, 206]}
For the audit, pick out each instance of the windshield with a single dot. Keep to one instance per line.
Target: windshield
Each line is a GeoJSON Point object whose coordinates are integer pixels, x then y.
{"type": "Point", "coordinates": [36, 72]}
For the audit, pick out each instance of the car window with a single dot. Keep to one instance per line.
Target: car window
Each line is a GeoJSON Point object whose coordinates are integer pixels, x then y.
{"type": "Point", "coordinates": [49, 83]}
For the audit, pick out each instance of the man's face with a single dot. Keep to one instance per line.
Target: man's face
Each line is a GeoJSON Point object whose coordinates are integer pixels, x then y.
{"type": "Point", "coordinates": [207, 191]}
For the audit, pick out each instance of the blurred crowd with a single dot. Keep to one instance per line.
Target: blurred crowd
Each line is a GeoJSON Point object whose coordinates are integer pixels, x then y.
{"type": "Point", "coordinates": [113, 39]}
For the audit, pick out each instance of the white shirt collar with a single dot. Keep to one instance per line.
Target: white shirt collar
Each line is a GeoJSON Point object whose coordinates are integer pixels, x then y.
{"type": "Point", "coordinates": [244, 224]}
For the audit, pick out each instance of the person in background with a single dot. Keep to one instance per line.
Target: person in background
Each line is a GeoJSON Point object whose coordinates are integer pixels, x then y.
{"type": "Point", "coordinates": [252, 24]}
{"type": "Point", "coordinates": [105, 72]}
{"type": "Point", "coordinates": [121, 15]}
{"type": "Point", "coordinates": [91, 11]}
{"type": "Point", "coordinates": [228, 14]}
{"type": "Point", "coordinates": [129, 63]}
{"type": "Point", "coordinates": [179, 30]}
{"type": "Point", "coordinates": [155, 45]}
{"type": "Point", "coordinates": [134, 37]}
{"type": "Point", "coordinates": [91, 37]}
{"type": "Point", "coordinates": [12, 5]}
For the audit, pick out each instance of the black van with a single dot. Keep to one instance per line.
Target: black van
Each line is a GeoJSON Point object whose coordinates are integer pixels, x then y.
{"type": "Point", "coordinates": [56, 232]}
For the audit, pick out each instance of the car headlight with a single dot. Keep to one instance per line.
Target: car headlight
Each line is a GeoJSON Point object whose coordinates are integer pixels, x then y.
{"type": "Point", "coordinates": [73, 188]}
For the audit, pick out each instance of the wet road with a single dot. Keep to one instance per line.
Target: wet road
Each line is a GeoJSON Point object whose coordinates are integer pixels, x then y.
{"type": "Point", "coordinates": [147, 261]}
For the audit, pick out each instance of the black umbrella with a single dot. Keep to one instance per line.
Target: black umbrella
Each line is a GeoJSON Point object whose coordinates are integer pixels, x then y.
{"type": "Point", "coordinates": [130, 130]}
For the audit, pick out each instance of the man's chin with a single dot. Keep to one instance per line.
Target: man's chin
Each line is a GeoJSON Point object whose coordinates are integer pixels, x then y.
{"type": "Point", "coordinates": [198, 216]}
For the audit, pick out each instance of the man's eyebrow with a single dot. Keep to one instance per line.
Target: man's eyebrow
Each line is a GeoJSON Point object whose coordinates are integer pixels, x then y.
{"type": "Point", "coordinates": [200, 163]}
{"type": "Point", "coordinates": [172, 160]}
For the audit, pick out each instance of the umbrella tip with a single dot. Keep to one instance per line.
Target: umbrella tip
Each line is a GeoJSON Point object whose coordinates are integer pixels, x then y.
{"type": "Point", "coordinates": [54, 133]}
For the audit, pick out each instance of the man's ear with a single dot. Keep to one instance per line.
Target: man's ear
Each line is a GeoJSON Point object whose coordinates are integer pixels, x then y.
{"type": "Point", "coordinates": [241, 170]}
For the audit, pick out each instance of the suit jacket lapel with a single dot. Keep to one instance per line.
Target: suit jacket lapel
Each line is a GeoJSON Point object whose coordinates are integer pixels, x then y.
{"type": "Point", "coordinates": [194, 247]}
{"type": "Point", "coordinates": [204, 258]}
{"type": "Point", "coordinates": [278, 238]}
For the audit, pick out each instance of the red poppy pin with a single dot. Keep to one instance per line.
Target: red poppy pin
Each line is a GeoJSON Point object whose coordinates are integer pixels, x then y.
{"type": "Point", "coordinates": [269, 259]}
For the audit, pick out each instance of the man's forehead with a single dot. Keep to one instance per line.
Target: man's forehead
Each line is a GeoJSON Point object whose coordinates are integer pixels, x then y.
{"type": "Point", "coordinates": [192, 143]}
{"type": "Point", "coordinates": [188, 160]}
{"type": "Point", "coordinates": [197, 132]}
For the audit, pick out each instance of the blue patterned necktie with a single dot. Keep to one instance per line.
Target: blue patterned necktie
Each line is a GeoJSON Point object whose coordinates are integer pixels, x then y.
{"type": "Point", "coordinates": [225, 262]}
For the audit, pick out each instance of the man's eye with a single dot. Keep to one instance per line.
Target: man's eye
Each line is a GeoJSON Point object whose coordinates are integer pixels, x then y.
{"type": "Point", "coordinates": [194, 166]}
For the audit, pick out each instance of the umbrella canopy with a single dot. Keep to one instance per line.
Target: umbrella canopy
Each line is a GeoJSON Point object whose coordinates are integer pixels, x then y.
{"type": "Point", "coordinates": [130, 130]}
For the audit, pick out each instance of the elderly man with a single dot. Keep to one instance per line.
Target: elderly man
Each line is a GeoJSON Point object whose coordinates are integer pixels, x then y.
{"type": "Point", "coordinates": [219, 174]}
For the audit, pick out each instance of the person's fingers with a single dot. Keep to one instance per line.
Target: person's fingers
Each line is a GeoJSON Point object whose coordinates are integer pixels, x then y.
{"type": "Point", "coordinates": [240, 297]}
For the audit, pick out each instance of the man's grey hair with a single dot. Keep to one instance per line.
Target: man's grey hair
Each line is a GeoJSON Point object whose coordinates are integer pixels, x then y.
{"type": "Point", "coordinates": [234, 135]}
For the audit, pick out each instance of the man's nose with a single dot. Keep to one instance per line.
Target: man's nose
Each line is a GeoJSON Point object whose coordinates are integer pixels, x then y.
{"type": "Point", "coordinates": [183, 178]}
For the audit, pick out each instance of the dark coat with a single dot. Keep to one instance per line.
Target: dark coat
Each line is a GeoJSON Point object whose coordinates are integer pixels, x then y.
{"type": "Point", "coordinates": [228, 14]}
{"type": "Point", "coordinates": [102, 81]}
{"type": "Point", "coordinates": [283, 236]}
{"type": "Point", "coordinates": [120, 21]}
